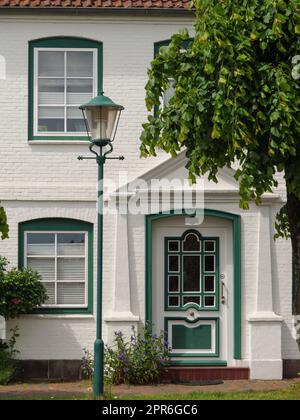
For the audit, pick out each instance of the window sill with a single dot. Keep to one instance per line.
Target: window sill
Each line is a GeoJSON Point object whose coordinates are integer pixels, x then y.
{"type": "Point", "coordinates": [57, 142]}
{"type": "Point", "coordinates": [59, 316]}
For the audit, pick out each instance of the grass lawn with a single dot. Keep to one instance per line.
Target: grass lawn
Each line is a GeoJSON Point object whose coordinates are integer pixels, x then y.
{"type": "Point", "coordinates": [292, 393]}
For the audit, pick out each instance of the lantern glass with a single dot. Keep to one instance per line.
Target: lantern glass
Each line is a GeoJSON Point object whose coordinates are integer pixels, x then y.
{"type": "Point", "coordinates": [101, 122]}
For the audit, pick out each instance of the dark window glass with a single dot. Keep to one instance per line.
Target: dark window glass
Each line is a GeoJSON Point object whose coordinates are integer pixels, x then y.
{"type": "Point", "coordinates": [209, 263]}
{"type": "Point", "coordinates": [173, 246]}
{"type": "Point", "coordinates": [209, 283]}
{"type": "Point", "coordinates": [191, 243]}
{"type": "Point", "coordinates": [209, 246]}
{"type": "Point", "coordinates": [191, 299]}
{"type": "Point", "coordinates": [173, 263]}
{"type": "Point", "coordinates": [174, 284]}
{"type": "Point", "coordinates": [209, 301]}
{"type": "Point", "coordinates": [191, 273]}
{"type": "Point", "coordinates": [174, 301]}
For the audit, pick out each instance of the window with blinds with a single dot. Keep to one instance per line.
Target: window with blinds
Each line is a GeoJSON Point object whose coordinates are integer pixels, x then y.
{"type": "Point", "coordinates": [61, 259]}
{"type": "Point", "coordinates": [64, 80]}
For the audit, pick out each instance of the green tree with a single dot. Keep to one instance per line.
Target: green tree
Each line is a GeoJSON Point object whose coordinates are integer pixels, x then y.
{"type": "Point", "coordinates": [3, 224]}
{"type": "Point", "coordinates": [236, 100]}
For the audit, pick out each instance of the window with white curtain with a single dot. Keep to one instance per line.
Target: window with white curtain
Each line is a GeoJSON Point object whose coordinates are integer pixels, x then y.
{"type": "Point", "coordinates": [61, 259]}
{"type": "Point", "coordinates": [64, 79]}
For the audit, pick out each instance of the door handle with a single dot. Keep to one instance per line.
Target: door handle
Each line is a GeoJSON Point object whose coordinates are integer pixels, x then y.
{"type": "Point", "coordinates": [223, 299]}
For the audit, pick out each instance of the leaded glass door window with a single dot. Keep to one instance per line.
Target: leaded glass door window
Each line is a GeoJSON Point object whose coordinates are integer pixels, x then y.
{"type": "Point", "coordinates": [192, 272]}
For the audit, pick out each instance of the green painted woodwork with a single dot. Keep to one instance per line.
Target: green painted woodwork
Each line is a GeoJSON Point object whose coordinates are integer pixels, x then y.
{"type": "Point", "coordinates": [199, 354]}
{"type": "Point", "coordinates": [236, 230]}
{"type": "Point", "coordinates": [191, 338]}
{"type": "Point", "coordinates": [102, 101]}
{"type": "Point", "coordinates": [58, 42]}
{"type": "Point", "coordinates": [66, 225]}
{"type": "Point", "coordinates": [181, 253]}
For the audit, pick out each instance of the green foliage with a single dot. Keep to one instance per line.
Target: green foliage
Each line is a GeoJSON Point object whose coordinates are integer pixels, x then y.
{"type": "Point", "coordinates": [235, 99]}
{"type": "Point", "coordinates": [4, 229]}
{"type": "Point", "coordinates": [21, 291]}
{"type": "Point", "coordinates": [8, 354]}
{"type": "Point", "coordinates": [139, 361]}
{"type": "Point", "coordinates": [87, 365]}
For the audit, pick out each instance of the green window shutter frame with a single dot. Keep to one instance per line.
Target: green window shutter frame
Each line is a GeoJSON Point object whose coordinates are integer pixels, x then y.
{"type": "Point", "coordinates": [66, 225]}
{"type": "Point", "coordinates": [58, 42]}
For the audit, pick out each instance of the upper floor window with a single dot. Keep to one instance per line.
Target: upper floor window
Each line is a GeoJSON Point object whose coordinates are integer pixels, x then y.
{"type": "Point", "coordinates": [64, 73]}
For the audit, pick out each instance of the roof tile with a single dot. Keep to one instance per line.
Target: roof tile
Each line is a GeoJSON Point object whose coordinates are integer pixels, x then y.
{"type": "Point", "coordinates": [114, 4]}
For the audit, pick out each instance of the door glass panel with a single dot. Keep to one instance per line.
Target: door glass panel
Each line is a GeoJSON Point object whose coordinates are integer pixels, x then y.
{"type": "Point", "coordinates": [192, 243]}
{"type": "Point", "coordinates": [174, 301]}
{"type": "Point", "coordinates": [173, 246]}
{"type": "Point", "coordinates": [173, 263]}
{"type": "Point", "coordinates": [174, 284]}
{"type": "Point", "coordinates": [209, 263]}
{"type": "Point", "coordinates": [191, 299]}
{"type": "Point", "coordinates": [191, 273]}
{"type": "Point", "coordinates": [209, 284]}
{"type": "Point", "coordinates": [209, 301]}
{"type": "Point", "coordinates": [209, 246]}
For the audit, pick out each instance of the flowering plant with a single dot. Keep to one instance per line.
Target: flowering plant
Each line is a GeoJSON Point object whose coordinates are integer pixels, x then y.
{"type": "Point", "coordinates": [140, 360]}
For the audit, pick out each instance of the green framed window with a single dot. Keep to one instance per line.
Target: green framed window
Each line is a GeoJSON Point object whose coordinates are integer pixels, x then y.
{"type": "Point", "coordinates": [64, 73]}
{"type": "Point", "coordinates": [61, 250]}
{"type": "Point", "coordinates": [170, 91]}
{"type": "Point", "coordinates": [191, 272]}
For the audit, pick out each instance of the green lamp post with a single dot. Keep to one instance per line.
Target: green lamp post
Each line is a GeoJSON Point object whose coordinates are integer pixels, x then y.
{"type": "Point", "coordinates": [101, 116]}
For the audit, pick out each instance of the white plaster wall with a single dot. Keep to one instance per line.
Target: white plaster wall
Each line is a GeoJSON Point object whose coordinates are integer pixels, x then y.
{"type": "Point", "coordinates": [46, 180]}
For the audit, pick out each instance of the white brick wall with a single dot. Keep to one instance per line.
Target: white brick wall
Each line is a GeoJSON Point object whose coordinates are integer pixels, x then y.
{"type": "Point", "coordinates": [48, 181]}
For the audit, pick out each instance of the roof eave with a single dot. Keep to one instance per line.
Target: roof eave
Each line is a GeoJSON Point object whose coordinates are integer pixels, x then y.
{"type": "Point", "coordinates": [101, 10]}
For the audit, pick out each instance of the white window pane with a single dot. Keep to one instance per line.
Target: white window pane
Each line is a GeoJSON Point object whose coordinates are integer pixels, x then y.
{"type": "Point", "coordinates": [71, 269]}
{"type": "Point", "coordinates": [50, 287]}
{"type": "Point", "coordinates": [71, 244]}
{"type": "Point", "coordinates": [44, 266]}
{"type": "Point", "coordinates": [51, 63]}
{"type": "Point", "coordinates": [79, 91]}
{"type": "Point", "coordinates": [51, 91]}
{"type": "Point", "coordinates": [51, 119]}
{"type": "Point", "coordinates": [75, 121]}
{"type": "Point", "coordinates": [79, 64]}
{"type": "Point", "coordinates": [71, 294]}
{"type": "Point", "coordinates": [40, 244]}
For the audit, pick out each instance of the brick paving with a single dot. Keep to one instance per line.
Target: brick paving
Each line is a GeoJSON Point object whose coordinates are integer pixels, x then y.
{"type": "Point", "coordinates": [84, 388]}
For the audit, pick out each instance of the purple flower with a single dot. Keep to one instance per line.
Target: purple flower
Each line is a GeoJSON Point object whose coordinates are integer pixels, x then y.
{"type": "Point", "coordinates": [126, 370]}
{"type": "Point", "coordinates": [121, 356]}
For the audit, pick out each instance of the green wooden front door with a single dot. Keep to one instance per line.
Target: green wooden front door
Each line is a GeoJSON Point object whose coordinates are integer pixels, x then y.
{"type": "Point", "coordinates": [192, 295]}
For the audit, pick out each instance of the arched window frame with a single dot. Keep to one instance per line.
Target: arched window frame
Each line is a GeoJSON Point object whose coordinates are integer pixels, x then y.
{"type": "Point", "coordinates": [56, 225]}
{"type": "Point", "coordinates": [59, 43]}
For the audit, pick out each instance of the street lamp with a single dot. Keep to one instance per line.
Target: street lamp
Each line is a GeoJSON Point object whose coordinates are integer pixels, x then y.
{"type": "Point", "coordinates": [101, 116]}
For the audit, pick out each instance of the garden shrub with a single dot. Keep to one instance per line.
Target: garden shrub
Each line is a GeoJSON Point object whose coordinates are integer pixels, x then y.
{"type": "Point", "coordinates": [21, 291]}
{"type": "Point", "coordinates": [8, 354]}
{"type": "Point", "coordinates": [138, 361]}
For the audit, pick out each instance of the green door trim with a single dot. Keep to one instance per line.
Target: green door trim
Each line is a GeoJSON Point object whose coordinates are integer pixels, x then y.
{"type": "Point", "coordinates": [236, 230]}
{"type": "Point", "coordinates": [189, 355]}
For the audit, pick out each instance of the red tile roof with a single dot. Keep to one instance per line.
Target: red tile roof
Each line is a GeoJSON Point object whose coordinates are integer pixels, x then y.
{"type": "Point", "coordinates": [111, 4]}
